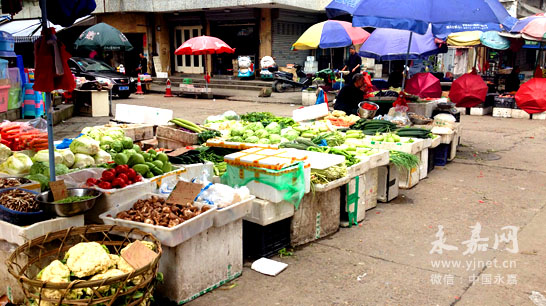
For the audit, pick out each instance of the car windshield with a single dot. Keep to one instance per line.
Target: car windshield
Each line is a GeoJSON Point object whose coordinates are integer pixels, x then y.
{"type": "Point", "coordinates": [92, 65]}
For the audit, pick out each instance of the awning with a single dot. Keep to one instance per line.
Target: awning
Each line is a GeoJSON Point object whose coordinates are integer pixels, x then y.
{"type": "Point", "coordinates": [28, 30]}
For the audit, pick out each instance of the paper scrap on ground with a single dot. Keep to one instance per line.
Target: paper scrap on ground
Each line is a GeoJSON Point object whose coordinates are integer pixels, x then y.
{"type": "Point", "coordinates": [537, 298]}
{"type": "Point", "coordinates": [268, 266]}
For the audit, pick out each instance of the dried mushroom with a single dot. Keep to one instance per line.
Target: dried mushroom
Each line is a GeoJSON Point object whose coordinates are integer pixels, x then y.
{"type": "Point", "coordinates": [156, 211]}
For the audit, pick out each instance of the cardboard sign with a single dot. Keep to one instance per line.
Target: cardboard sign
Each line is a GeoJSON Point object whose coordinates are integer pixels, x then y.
{"type": "Point", "coordinates": [178, 151]}
{"type": "Point", "coordinates": [138, 255]}
{"type": "Point", "coordinates": [58, 188]}
{"type": "Point", "coordinates": [184, 193]}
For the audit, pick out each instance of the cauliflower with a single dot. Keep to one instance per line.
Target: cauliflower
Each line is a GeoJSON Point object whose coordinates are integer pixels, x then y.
{"type": "Point", "coordinates": [87, 258]}
{"type": "Point", "coordinates": [108, 274]}
{"type": "Point", "coordinates": [55, 272]}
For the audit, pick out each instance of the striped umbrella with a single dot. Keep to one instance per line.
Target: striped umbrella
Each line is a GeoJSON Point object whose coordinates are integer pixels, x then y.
{"type": "Point", "coordinates": [532, 28]}
{"type": "Point", "coordinates": [330, 34]}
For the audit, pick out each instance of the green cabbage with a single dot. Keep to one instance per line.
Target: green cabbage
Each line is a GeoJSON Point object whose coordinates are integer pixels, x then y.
{"type": "Point", "coordinates": [68, 157]}
{"type": "Point", "coordinates": [237, 131]}
{"type": "Point", "coordinates": [43, 156]}
{"type": "Point", "coordinates": [95, 133]}
{"type": "Point", "coordinates": [252, 139]}
{"type": "Point", "coordinates": [5, 152]}
{"type": "Point", "coordinates": [291, 134]}
{"type": "Point", "coordinates": [85, 145]}
{"type": "Point", "coordinates": [273, 128]}
{"type": "Point", "coordinates": [16, 164]}
{"type": "Point", "coordinates": [39, 168]}
{"type": "Point", "coordinates": [60, 169]}
{"type": "Point", "coordinates": [236, 139]}
{"type": "Point", "coordinates": [262, 133]}
{"type": "Point", "coordinates": [255, 126]}
{"type": "Point", "coordinates": [102, 157]}
{"type": "Point", "coordinates": [248, 133]}
{"type": "Point", "coordinates": [274, 138]}
{"type": "Point", "coordinates": [40, 178]}
{"type": "Point", "coordinates": [83, 161]}
{"type": "Point", "coordinates": [116, 133]}
{"type": "Point", "coordinates": [106, 140]}
{"type": "Point", "coordinates": [264, 141]}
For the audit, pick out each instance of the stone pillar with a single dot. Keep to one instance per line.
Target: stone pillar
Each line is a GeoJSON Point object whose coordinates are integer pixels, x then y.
{"type": "Point", "coordinates": [163, 42]}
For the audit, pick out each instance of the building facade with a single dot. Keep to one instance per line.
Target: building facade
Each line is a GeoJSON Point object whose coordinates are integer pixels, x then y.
{"type": "Point", "coordinates": [253, 27]}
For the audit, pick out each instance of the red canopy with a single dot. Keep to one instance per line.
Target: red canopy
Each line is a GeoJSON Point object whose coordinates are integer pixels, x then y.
{"type": "Point", "coordinates": [530, 96]}
{"type": "Point", "coordinates": [468, 91]}
{"type": "Point", "coordinates": [424, 85]}
{"type": "Point", "coordinates": [203, 45]}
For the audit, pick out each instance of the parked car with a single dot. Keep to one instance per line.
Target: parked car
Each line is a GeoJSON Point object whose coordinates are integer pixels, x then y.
{"type": "Point", "coordinates": [99, 71]}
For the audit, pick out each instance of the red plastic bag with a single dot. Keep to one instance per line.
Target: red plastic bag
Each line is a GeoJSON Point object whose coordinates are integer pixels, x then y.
{"type": "Point", "coordinates": [52, 70]}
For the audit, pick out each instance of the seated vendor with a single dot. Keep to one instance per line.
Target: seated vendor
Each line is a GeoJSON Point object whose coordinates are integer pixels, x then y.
{"type": "Point", "coordinates": [350, 95]}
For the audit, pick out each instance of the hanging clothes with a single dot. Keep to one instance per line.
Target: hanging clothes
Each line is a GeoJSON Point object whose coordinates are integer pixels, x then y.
{"type": "Point", "coordinates": [65, 12]}
{"type": "Point", "coordinates": [460, 61]}
{"type": "Point", "coordinates": [52, 70]}
{"type": "Point", "coordinates": [12, 7]}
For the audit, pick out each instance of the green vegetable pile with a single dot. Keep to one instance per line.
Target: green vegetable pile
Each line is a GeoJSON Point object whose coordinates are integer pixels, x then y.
{"type": "Point", "coordinates": [333, 139]}
{"type": "Point", "coordinates": [73, 199]}
{"type": "Point", "coordinates": [371, 127]}
{"type": "Point", "coordinates": [328, 175]}
{"type": "Point", "coordinates": [216, 156]}
{"type": "Point", "coordinates": [404, 160]}
{"type": "Point", "coordinates": [414, 133]}
{"type": "Point", "coordinates": [208, 134]}
{"type": "Point", "coordinates": [39, 172]}
{"type": "Point", "coordinates": [266, 118]}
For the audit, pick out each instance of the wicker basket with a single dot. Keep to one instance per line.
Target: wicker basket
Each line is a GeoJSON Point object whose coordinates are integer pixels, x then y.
{"type": "Point", "coordinates": [28, 259]}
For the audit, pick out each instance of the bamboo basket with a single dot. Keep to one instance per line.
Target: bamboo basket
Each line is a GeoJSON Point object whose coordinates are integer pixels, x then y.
{"type": "Point", "coordinates": [135, 288]}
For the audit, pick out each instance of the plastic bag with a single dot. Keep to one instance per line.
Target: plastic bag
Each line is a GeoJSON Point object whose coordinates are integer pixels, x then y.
{"type": "Point", "coordinates": [398, 115]}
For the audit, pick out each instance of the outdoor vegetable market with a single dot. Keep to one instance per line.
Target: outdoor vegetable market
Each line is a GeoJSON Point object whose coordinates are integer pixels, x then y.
{"type": "Point", "coordinates": [158, 208]}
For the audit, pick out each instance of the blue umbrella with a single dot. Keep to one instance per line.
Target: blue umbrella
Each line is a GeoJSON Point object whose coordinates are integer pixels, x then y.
{"type": "Point", "coordinates": [445, 16]}
{"type": "Point", "coordinates": [391, 44]}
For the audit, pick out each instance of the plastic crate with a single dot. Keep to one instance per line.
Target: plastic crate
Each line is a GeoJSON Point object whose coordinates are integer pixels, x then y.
{"type": "Point", "coordinates": [441, 154]}
{"type": "Point", "coordinates": [507, 102]}
{"type": "Point", "coordinates": [265, 241]}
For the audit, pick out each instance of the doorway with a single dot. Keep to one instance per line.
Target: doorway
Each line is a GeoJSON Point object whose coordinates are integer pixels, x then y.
{"type": "Point", "coordinates": [188, 63]}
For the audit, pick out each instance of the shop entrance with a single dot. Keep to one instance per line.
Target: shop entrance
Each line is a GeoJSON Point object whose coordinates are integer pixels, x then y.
{"type": "Point", "coordinates": [241, 35]}
{"type": "Point", "coordinates": [188, 63]}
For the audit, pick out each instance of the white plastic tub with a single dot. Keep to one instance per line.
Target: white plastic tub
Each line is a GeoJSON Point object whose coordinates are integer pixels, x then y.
{"type": "Point", "coordinates": [169, 236]}
{"type": "Point", "coordinates": [233, 212]}
{"type": "Point", "coordinates": [264, 212]}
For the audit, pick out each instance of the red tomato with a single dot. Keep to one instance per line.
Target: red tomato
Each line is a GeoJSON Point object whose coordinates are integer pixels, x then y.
{"type": "Point", "coordinates": [92, 181]}
{"type": "Point", "coordinates": [131, 173]}
{"type": "Point", "coordinates": [124, 177]}
{"type": "Point", "coordinates": [109, 175]}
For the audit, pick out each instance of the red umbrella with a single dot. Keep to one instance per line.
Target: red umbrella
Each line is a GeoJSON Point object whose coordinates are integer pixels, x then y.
{"type": "Point", "coordinates": [530, 96]}
{"type": "Point", "coordinates": [468, 91]}
{"type": "Point", "coordinates": [424, 85]}
{"type": "Point", "coordinates": [203, 45]}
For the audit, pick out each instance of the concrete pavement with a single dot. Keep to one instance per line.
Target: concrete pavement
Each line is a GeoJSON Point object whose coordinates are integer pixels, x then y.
{"type": "Point", "coordinates": [498, 180]}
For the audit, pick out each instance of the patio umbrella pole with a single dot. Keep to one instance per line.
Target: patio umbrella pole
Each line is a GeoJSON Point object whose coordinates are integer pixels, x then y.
{"type": "Point", "coordinates": [539, 55]}
{"type": "Point", "coordinates": [407, 60]}
{"type": "Point", "coordinates": [49, 109]}
{"type": "Point", "coordinates": [331, 60]}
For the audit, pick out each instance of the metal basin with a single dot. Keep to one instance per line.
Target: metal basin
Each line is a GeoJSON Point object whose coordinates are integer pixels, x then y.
{"type": "Point", "coordinates": [69, 209]}
{"type": "Point", "coordinates": [366, 113]}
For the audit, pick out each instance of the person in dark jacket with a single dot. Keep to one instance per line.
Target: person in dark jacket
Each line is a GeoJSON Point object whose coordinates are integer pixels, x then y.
{"type": "Point", "coordinates": [348, 98]}
{"type": "Point", "coordinates": [353, 64]}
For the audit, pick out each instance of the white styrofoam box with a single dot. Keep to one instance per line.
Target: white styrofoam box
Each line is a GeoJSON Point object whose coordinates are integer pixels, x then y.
{"type": "Point", "coordinates": [267, 192]}
{"type": "Point", "coordinates": [319, 160]}
{"type": "Point", "coordinates": [412, 148]}
{"type": "Point", "coordinates": [454, 146]}
{"type": "Point", "coordinates": [202, 263]}
{"type": "Point", "coordinates": [368, 188]}
{"type": "Point", "coordinates": [169, 236]}
{"type": "Point", "coordinates": [310, 112]}
{"type": "Point", "coordinates": [481, 111]}
{"type": "Point", "coordinates": [462, 110]}
{"type": "Point", "coordinates": [21, 234]}
{"type": "Point", "coordinates": [423, 109]}
{"type": "Point", "coordinates": [110, 198]}
{"type": "Point", "coordinates": [520, 114]}
{"type": "Point", "coordinates": [410, 178]}
{"type": "Point", "coordinates": [502, 112]}
{"type": "Point", "coordinates": [311, 64]}
{"type": "Point", "coordinates": [539, 116]}
{"type": "Point", "coordinates": [434, 142]}
{"type": "Point", "coordinates": [233, 212]}
{"type": "Point", "coordinates": [143, 114]}
{"type": "Point", "coordinates": [359, 168]}
{"type": "Point", "coordinates": [310, 58]}
{"type": "Point", "coordinates": [387, 183]}
{"type": "Point", "coordinates": [264, 212]}
{"type": "Point", "coordinates": [162, 75]}
{"type": "Point", "coordinates": [423, 165]}
{"type": "Point", "coordinates": [308, 98]}
{"type": "Point", "coordinates": [333, 184]}
{"type": "Point", "coordinates": [380, 158]}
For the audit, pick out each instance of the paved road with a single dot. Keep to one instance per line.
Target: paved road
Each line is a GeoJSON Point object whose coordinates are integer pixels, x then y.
{"type": "Point", "coordinates": [499, 180]}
